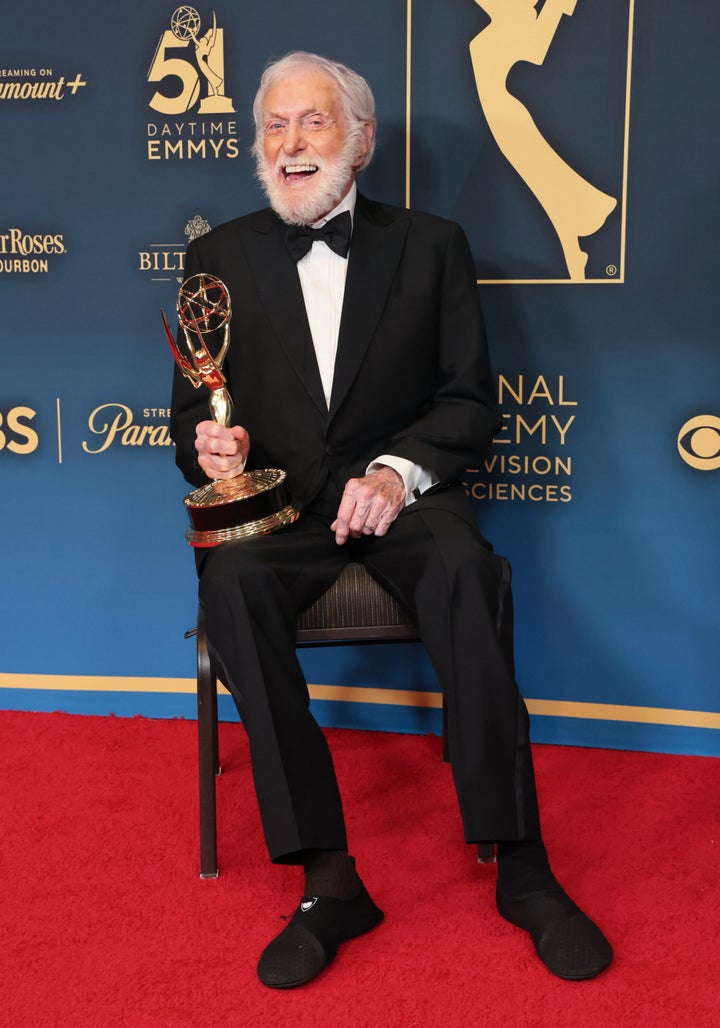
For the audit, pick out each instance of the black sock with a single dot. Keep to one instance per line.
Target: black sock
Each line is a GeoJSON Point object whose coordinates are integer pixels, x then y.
{"type": "Point", "coordinates": [330, 873]}
{"type": "Point", "coordinates": [523, 867]}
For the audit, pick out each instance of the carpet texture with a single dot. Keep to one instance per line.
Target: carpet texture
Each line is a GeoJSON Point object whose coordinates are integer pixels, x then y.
{"type": "Point", "coordinates": [106, 923]}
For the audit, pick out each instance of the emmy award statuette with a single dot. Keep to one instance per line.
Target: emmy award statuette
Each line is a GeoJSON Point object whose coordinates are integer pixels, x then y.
{"type": "Point", "coordinates": [254, 502]}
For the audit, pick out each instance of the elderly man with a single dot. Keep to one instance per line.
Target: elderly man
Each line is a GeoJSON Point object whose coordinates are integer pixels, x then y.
{"type": "Point", "coordinates": [360, 366]}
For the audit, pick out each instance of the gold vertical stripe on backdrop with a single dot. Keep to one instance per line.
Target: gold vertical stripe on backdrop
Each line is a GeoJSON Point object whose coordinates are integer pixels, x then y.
{"type": "Point", "coordinates": [626, 141]}
{"type": "Point", "coordinates": [386, 697]}
{"type": "Point", "coordinates": [59, 430]}
{"type": "Point", "coordinates": [408, 72]}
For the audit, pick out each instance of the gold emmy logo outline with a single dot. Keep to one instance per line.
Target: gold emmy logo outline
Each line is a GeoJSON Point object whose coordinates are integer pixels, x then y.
{"type": "Point", "coordinates": [209, 49]}
{"type": "Point", "coordinates": [575, 207]}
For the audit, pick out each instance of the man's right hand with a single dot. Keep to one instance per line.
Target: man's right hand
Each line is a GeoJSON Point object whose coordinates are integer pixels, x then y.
{"type": "Point", "coordinates": [222, 452]}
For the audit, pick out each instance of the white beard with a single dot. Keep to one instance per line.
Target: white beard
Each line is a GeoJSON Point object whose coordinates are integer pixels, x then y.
{"type": "Point", "coordinates": [333, 179]}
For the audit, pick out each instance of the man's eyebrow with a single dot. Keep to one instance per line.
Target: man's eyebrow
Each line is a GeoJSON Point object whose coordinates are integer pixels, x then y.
{"type": "Point", "coordinates": [301, 114]}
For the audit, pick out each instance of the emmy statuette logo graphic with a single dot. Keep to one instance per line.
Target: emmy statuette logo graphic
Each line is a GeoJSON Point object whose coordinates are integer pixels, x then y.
{"type": "Point", "coordinates": [517, 116]}
{"type": "Point", "coordinates": [200, 67]}
{"type": "Point", "coordinates": [519, 32]}
{"type": "Point", "coordinates": [188, 68]}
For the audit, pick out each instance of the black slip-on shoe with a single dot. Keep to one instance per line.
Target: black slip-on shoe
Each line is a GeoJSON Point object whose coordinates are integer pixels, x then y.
{"type": "Point", "coordinates": [569, 944]}
{"type": "Point", "coordinates": [311, 938]}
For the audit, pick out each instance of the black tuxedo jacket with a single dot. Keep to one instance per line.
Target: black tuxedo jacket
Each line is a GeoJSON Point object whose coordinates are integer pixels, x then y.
{"type": "Point", "coordinates": [412, 376]}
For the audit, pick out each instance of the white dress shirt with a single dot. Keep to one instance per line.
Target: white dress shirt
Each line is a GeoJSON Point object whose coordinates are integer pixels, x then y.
{"type": "Point", "coordinates": [322, 278]}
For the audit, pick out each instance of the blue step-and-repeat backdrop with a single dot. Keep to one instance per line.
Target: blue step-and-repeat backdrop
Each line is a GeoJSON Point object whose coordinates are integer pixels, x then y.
{"type": "Point", "coordinates": [576, 142]}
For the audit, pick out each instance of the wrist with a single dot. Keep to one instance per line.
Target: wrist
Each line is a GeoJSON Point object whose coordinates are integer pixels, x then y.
{"type": "Point", "coordinates": [392, 474]}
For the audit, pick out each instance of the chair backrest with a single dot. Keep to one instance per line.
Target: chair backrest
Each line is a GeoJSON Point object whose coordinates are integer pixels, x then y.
{"type": "Point", "coordinates": [355, 609]}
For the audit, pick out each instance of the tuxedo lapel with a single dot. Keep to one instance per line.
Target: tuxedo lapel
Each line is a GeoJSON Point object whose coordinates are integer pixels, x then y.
{"type": "Point", "coordinates": [278, 286]}
{"type": "Point", "coordinates": [377, 245]}
{"type": "Point", "coordinates": [375, 251]}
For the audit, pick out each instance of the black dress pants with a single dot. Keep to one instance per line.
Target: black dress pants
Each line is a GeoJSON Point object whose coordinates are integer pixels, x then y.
{"type": "Point", "coordinates": [439, 567]}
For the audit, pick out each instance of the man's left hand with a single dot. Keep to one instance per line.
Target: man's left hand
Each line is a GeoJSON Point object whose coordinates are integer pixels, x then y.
{"type": "Point", "coordinates": [369, 505]}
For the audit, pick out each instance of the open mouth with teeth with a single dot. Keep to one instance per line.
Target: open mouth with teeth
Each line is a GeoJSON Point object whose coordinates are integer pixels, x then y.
{"type": "Point", "coordinates": [298, 172]}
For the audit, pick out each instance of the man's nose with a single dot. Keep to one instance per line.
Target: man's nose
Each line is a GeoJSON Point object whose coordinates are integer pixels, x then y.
{"type": "Point", "coordinates": [294, 137]}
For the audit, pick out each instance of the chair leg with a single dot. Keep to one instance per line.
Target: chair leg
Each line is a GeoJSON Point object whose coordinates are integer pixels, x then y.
{"type": "Point", "coordinates": [217, 769]}
{"type": "Point", "coordinates": [207, 753]}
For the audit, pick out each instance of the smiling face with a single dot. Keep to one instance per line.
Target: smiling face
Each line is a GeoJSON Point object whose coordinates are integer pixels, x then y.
{"type": "Point", "coordinates": [307, 153]}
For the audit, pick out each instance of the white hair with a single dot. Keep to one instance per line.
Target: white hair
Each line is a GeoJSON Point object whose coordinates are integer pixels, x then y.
{"type": "Point", "coordinates": [356, 98]}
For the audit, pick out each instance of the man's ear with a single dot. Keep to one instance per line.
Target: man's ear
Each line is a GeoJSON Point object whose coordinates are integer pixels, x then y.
{"type": "Point", "coordinates": [369, 134]}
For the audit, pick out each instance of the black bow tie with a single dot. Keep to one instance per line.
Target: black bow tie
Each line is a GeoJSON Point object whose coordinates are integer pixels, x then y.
{"type": "Point", "coordinates": [336, 233]}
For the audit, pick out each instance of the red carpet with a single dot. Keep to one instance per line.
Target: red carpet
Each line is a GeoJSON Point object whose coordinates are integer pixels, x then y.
{"type": "Point", "coordinates": [105, 921]}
